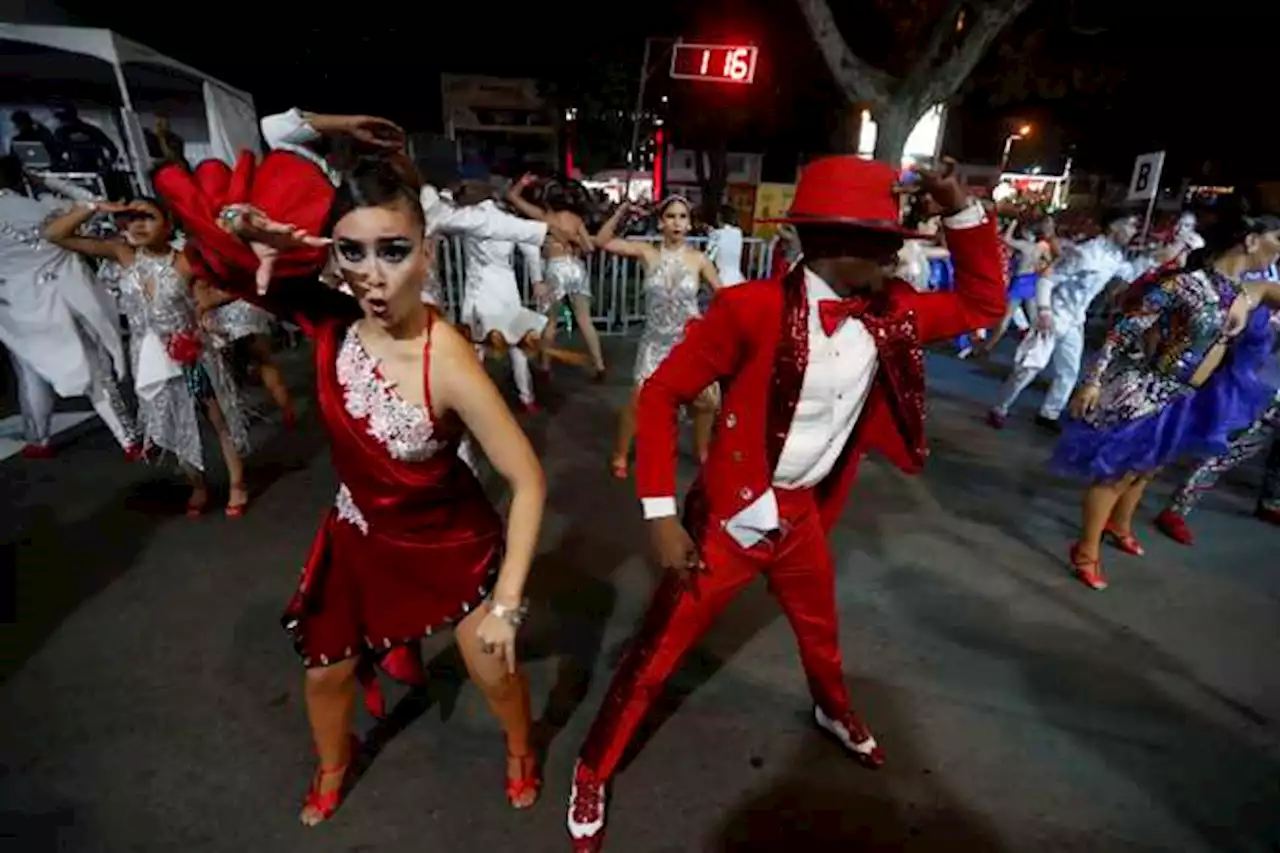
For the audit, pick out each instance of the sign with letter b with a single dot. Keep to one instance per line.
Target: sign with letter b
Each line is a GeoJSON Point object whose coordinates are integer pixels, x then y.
{"type": "Point", "coordinates": [1145, 183]}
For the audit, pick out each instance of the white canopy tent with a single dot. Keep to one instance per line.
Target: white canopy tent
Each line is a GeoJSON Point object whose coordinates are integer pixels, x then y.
{"type": "Point", "coordinates": [143, 79]}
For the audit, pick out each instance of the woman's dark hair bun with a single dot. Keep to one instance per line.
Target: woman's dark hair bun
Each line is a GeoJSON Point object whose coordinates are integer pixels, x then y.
{"type": "Point", "coordinates": [379, 181]}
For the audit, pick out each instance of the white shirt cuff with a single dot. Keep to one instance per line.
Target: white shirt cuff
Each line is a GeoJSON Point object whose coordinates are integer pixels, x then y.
{"type": "Point", "coordinates": [658, 508]}
{"type": "Point", "coordinates": [287, 128]}
{"type": "Point", "coordinates": [971, 217]}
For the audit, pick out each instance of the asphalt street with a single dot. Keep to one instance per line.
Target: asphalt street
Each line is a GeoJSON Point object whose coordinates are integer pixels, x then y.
{"type": "Point", "coordinates": [149, 700]}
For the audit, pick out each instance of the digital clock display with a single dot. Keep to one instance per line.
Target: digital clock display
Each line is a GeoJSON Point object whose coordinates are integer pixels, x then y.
{"type": "Point", "coordinates": [722, 63]}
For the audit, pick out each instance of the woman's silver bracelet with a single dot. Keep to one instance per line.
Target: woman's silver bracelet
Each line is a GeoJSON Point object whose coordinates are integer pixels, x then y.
{"type": "Point", "coordinates": [513, 616]}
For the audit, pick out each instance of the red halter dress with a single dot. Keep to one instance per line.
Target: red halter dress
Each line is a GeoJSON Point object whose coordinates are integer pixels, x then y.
{"type": "Point", "coordinates": [411, 543]}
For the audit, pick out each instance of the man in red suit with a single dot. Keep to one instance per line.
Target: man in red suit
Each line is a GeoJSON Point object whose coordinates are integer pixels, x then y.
{"type": "Point", "coordinates": [817, 368]}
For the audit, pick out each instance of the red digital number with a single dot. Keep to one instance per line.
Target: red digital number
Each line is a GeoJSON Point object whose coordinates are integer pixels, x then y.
{"type": "Point", "coordinates": [736, 64]}
{"type": "Point", "coordinates": [725, 63]}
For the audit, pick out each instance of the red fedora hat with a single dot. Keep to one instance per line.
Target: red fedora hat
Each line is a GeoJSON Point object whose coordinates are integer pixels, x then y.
{"type": "Point", "coordinates": [849, 191]}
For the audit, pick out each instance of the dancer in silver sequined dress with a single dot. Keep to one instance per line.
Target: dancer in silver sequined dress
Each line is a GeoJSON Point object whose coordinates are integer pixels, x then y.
{"type": "Point", "coordinates": [565, 270]}
{"type": "Point", "coordinates": [674, 272]}
{"type": "Point", "coordinates": [228, 320]}
{"type": "Point", "coordinates": [177, 371]}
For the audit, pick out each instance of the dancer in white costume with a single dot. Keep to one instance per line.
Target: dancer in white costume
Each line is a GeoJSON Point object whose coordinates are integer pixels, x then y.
{"type": "Point", "coordinates": [57, 322]}
{"type": "Point", "coordinates": [492, 307]}
{"type": "Point", "coordinates": [1081, 274]}
{"type": "Point", "coordinates": [724, 247]}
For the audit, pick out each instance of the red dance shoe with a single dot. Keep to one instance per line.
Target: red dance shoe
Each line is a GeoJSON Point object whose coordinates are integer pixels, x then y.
{"type": "Point", "coordinates": [619, 467]}
{"type": "Point", "coordinates": [1175, 527]}
{"type": "Point", "coordinates": [586, 810]}
{"type": "Point", "coordinates": [1089, 572]}
{"type": "Point", "coordinates": [853, 735]}
{"type": "Point", "coordinates": [38, 451]}
{"type": "Point", "coordinates": [134, 453]}
{"type": "Point", "coordinates": [197, 503]}
{"type": "Point", "coordinates": [522, 792]}
{"type": "Point", "coordinates": [323, 806]}
{"type": "Point", "coordinates": [530, 408]}
{"type": "Point", "coordinates": [1126, 542]}
{"type": "Point", "coordinates": [995, 420]}
{"type": "Point", "coordinates": [1270, 516]}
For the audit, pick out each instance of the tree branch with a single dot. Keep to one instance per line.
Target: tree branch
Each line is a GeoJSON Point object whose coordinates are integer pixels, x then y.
{"type": "Point", "coordinates": [944, 26]}
{"type": "Point", "coordinates": [988, 20]}
{"type": "Point", "coordinates": [858, 79]}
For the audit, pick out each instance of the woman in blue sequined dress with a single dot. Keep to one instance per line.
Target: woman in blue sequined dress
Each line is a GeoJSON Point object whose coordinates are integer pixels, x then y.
{"type": "Point", "coordinates": [1177, 374]}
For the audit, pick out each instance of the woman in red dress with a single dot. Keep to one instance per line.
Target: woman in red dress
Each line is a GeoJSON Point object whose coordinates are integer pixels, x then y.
{"type": "Point", "coordinates": [412, 545]}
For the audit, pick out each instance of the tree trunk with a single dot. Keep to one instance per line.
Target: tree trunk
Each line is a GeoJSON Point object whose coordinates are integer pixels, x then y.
{"type": "Point", "coordinates": [936, 75]}
{"type": "Point", "coordinates": [848, 129]}
{"type": "Point", "coordinates": [894, 122]}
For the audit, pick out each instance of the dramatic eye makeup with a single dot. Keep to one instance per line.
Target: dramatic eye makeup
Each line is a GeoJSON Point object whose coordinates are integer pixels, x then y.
{"type": "Point", "coordinates": [392, 250]}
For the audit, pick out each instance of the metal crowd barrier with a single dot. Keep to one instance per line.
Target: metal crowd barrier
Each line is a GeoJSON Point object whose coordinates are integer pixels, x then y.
{"type": "Point", "coordinates": [617, 284]}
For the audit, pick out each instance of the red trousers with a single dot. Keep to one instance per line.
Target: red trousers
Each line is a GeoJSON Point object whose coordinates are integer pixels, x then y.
{"type": "Point", "coordinates": [796, 562]}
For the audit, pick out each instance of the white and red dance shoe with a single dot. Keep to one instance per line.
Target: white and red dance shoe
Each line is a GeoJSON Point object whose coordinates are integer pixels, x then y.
{"type": "Point", "coordinates": [853, 735]}
{"type": "Point", "coordinates": [588, 797]}
{"type": "Point", "coordinates": [586, 810]}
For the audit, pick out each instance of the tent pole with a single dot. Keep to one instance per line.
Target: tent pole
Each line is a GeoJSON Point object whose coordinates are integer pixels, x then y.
{"type": "Point", "coordinates": [130, 142]}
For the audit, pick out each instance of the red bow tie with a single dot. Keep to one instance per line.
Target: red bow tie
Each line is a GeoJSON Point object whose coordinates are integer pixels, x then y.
{"type": "Point", "coordinates": [833, 312]}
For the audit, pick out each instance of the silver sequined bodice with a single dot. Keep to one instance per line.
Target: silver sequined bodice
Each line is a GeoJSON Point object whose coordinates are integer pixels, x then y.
{"type": "Point", "coordinates": [671, 301]}
{"type": "Point", "coordinates": [154, 295]}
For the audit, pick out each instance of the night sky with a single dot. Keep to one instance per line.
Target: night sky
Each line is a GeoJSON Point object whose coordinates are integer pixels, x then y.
{"type": "Point", "coordinates": [1195, 82]}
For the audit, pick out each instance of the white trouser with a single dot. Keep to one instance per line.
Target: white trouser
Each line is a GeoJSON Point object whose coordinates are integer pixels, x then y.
{"type": "Point", "coordinates": [520, 371]}
{"type": "Point", "coordinates": [522, 374]}
{"type": "Point", "coordinates": [1068, 351]}
{"type": "Point", "coordinates": [37, 398]}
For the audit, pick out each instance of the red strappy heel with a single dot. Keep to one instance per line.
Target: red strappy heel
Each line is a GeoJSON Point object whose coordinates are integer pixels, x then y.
{"type": "Point", "coordinates": [327, 803]}
{"type": "Point", "coordinates": [619, 467]}
{"type": "Point", "coordinates": [530, 781]}
{"type": "Point", "coordinates": [1089, 572]}
{"type": "Point", "coordinates": [1126, 542]}
{"type": "Point", "coordinates": [195, 508]}
{"type": "Point", "coordinates": [1175, 527]}
{"type": "Point", "coordinates": [238, 510]}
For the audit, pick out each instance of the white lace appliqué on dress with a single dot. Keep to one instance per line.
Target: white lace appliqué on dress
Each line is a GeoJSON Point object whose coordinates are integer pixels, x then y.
{"type": "Point", "coordinates": [405, 430]}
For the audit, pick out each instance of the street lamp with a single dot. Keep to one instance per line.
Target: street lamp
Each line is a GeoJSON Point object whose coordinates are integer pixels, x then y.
{"type": "Point", "coordinates": [1021, 133]}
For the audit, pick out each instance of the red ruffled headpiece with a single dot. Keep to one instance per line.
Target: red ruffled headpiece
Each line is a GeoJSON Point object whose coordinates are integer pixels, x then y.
{"type": "Point", "coordinates": [286, 187]}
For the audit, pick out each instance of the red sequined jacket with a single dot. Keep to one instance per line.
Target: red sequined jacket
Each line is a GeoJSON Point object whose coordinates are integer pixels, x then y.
{"type": "Point", "coordinates": [754, 341]}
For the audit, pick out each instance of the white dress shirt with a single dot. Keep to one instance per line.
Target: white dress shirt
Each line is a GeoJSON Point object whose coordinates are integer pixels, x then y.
{"type": "Point", "coordinates": [290, 131]}
{"type": "Point", "coordinates": [836, 385]}
{"type": "Point", "coordinates": [1083, 272]}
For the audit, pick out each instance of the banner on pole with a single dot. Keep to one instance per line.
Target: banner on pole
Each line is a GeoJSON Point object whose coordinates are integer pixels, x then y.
{"type": "Point", "coordinates": [1145, 183]}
